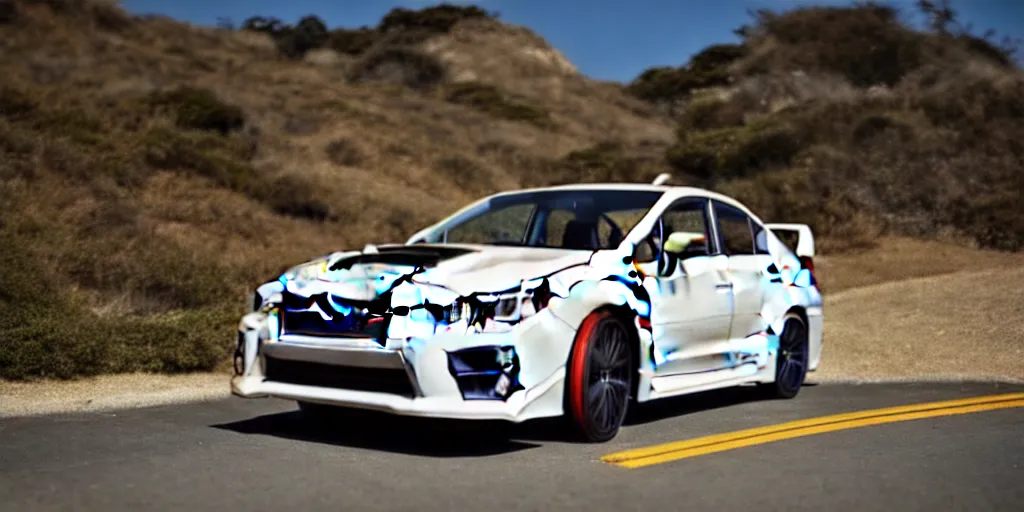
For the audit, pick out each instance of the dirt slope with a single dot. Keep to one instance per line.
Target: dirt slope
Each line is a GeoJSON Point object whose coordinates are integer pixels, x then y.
{"type": "Point", "coordinates": [957, 326]}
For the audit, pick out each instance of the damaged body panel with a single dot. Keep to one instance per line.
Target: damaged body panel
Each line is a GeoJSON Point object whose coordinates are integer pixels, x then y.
{"type": "Point", "coordinates": [483, 315]}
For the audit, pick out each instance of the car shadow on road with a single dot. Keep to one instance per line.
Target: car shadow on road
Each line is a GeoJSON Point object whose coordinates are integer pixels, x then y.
{"type": "Point", "coordinates": [693, 403]}
{"type": "Point", "coordinates": [385, 432]}
{"type": "Point", "coordinates": [452, 438]}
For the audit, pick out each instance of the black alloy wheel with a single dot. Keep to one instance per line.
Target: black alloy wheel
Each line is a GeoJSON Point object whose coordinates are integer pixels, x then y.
{"type": "Point", "coordinates": [600, 377]}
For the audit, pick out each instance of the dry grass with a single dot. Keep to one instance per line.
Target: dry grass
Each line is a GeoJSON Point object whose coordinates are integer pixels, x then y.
{"type": "Point", "coordinates": [899, 259]}
{"type": "Point", "coordinates": [109, 392]}
{"type": "Point", "coordinates": [957, 326]}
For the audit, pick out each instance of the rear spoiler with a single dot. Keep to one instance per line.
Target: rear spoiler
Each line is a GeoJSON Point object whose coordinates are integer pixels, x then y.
{"type": "Point", "coordinates": [805, 238]}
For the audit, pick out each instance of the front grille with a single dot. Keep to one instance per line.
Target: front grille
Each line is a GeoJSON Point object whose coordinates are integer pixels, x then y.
{"type": "Point", "coordinates": [379, 380]}
{"type": "Point", "coordinates": [359, 319]}
{"type": "Point", "coordinates": [310, 323]}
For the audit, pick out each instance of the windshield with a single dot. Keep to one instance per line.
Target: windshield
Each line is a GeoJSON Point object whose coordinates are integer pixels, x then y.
{"type": "Point", "coordinates": [561, 219]}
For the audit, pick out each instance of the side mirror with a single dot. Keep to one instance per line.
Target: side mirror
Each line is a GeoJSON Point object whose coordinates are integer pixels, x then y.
{"type": "Point", "coordinates": [684, 244]}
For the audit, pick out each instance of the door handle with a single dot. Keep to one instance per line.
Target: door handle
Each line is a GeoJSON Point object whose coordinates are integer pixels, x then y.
{"type": "Point", "coordinates": [723, 286]}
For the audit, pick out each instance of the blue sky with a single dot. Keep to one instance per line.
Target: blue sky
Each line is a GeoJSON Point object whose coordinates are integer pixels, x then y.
{"type": "Point", "coordinates": [606, 39]}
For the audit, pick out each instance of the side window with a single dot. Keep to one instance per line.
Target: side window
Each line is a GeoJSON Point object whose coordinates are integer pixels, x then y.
{"type": "Point", "coordinates": [650, 247]}
{"type": "Point", "coordinates": [734, 228]}
{"type": "Point", "coordinates": [687, 217]}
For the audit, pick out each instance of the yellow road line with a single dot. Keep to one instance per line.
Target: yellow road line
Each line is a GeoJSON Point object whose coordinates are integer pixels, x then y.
{"type": "Point", "coordinates": [667, 452]}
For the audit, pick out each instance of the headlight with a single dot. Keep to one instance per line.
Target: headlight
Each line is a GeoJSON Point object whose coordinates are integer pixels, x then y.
{"type": "Point", "coordinates": [506, 308]}
{"type": "Point", "coordinates": [307, 271]}
{"type": "Point", "coordinates": [512, 306]}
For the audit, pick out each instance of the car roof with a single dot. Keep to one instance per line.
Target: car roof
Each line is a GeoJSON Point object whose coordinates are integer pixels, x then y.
{"type": "Point", "coordinates": [601, 186]}
{"type": "Point", "coordinates": [673, 191]}
{"type": "Point", "coordinates": [669, 191]}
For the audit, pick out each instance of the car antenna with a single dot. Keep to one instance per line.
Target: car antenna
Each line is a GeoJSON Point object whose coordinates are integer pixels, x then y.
{"type": "Point", "coordinates": [662, 179]}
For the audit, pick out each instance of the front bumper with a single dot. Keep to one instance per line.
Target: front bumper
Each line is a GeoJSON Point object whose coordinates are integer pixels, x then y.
{"type": "Point", "coordinates": [543, 400]}
{"type": "Point", "coordinates": [411, 377]}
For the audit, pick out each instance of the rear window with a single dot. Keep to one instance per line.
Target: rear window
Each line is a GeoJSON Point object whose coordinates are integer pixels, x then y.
{"type": "Point", "coordinates": [788, 237]}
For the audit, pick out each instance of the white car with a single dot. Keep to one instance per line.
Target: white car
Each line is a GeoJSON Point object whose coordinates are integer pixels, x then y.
{"type": "Point", "coordinates": [574, 300]}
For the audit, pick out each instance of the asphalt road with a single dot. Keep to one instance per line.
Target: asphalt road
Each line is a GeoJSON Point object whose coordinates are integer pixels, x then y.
{"type": "Point", "coordinates": [260, 455]}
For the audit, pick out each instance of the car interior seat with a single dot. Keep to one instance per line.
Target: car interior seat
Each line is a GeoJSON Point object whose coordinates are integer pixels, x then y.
{"type": "Point", "coordinates": [580, 235]}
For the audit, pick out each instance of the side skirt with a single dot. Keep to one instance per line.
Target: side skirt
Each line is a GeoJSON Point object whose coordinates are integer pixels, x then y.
{"type": "Point", "coordinates": [676, 385]}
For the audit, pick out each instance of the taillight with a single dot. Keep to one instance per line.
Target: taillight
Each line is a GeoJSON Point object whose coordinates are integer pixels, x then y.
{"type": "Point", "coordinates": [807, 262]}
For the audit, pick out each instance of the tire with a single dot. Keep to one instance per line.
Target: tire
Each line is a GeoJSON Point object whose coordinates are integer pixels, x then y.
{"type": "Point", "coordinates": [600, 377]}
{"type": "Point", "coordinates": [790, 360]}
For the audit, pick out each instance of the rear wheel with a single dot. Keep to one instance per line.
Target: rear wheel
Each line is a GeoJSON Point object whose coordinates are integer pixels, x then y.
{"type": "Point", "coordinates": [791, 359]}
{"type": "Point", "coordinates": [600, 377]}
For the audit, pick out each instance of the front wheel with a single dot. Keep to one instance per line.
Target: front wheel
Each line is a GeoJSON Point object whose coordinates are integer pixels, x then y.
{"type": "Point", "coordinates": [600, 377]}
{"type": "Point", "coordinates": [791, 359]}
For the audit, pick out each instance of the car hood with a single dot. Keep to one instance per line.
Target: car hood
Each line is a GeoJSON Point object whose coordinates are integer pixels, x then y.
{"type": "Point", "coordinates": [463, 269]}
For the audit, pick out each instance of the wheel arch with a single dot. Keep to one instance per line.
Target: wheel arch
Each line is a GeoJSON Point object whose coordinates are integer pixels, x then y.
{"type": "Point", "coordinates": [628, 318]}
{"type": "Point", "coordinates": [800, 311]}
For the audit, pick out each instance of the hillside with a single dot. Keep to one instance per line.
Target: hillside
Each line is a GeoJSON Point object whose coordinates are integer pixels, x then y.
{"type": "Point", "coordinates": [850, 121]}
{"type": "Point", "coordinates": [151, 172]}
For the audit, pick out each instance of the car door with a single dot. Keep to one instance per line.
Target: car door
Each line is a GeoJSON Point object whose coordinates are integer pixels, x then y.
{"type": "Point", "coordinates": [747, 264]}
{"type": "Point", "coordinates": [691, 296]}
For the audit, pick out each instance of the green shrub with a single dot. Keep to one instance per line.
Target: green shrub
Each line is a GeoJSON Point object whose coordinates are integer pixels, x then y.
{"type": "Point", "coordinates": [269, 26]}
{"type": "Point", "coordinates": [707, 68]}
{"type": "Point", "coordinates": [984, 48]}
{"type": "Point", "coordinates": [716, 57]}
{"type": "Point", "coordinates": [400, 66]}
{"type": "Point", "coordinates": [435, 19]}
{"type": "Point", "coordinates": [867, 44]}
{"type": "Point", "coordinates": [465, 173]}
{"type": "Point", "coordinates": [213, 157]}
{"type": "Point", "coordinates": [706, 114]}
{"type": "Point", "coordinates": [400, 27]}
{"type": "Point", "coordinates": [50, 332]}
{"type": "Point", "coordinates": [489, 99]}
{"type": "Point", "coordinates": [352, 41]}
{"type": "Point", "coordinates": [198, 109]}
{"type": "Point", "coordinates": [812, 196]}
{"type": "Point", "coordinates": [727, 153]}
{"type": "Point", "coordinates": [294, 197]}
{"type": "Point", "coordinates": [665, 85]}
{"type": "Point", "coordinates": [994, 221]}
{"type": "Point", "coordinates": [68, 344]}
{"type": "Point", "coordinates": [345, 153]}
{"type": "Point", "coordinates": [309, 34]}
{"type": "Point", "coordinates": [976, 103]}
{"type": "Point", "coordinates": [605, 162]}
{"type": "Point", "coordinates": [15, 104]}
{"type": "Point", "coordinates": [8, 11]}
